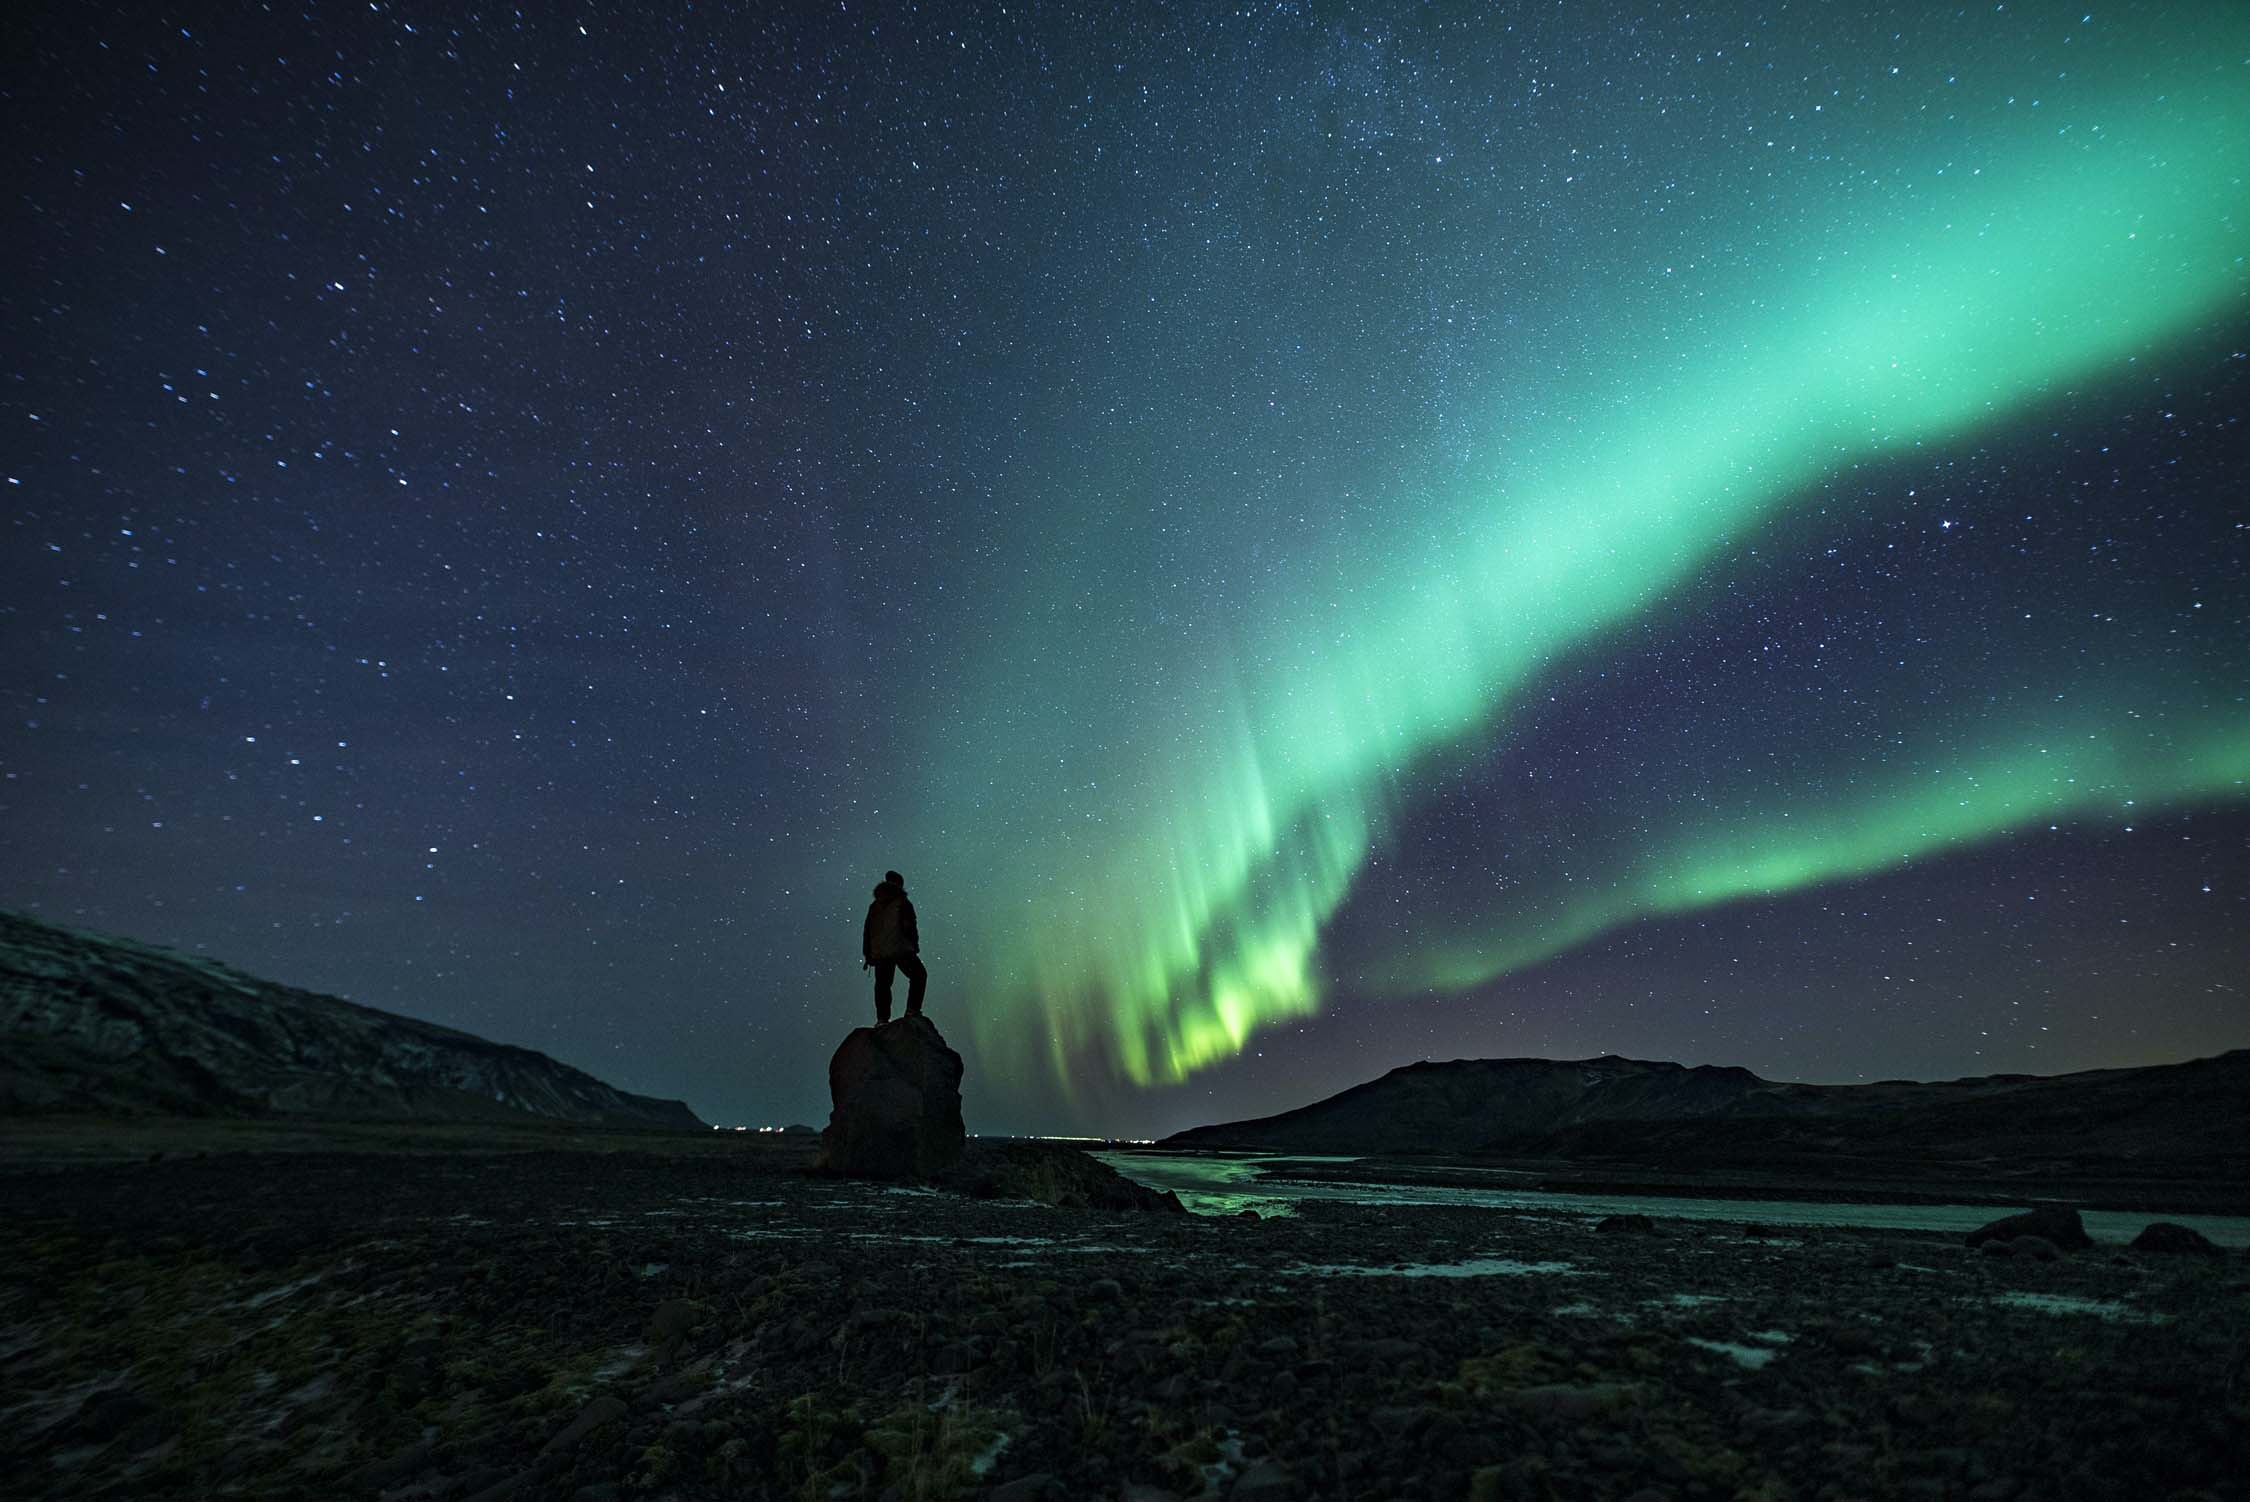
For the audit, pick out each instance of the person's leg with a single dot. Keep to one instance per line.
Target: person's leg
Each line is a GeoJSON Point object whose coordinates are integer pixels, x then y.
{"type": "Point", "coordinates": [882, 992]}
{"type": "Point", "coordinates": [916, 979]}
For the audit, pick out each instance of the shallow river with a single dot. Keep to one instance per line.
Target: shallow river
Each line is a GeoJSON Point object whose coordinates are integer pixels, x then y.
{"type": "Point", "coordinates": [1227, 1185]}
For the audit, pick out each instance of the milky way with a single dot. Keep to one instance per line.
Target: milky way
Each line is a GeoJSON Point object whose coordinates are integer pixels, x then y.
{"type": "Point", "coordinates": [1313, 539]}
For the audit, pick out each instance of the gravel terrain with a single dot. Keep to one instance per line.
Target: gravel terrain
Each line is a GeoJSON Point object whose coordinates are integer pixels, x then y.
{"type": "Point", "coordinates": [706, 1319]}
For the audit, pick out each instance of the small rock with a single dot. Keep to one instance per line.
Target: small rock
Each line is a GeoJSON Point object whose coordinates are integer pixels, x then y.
{"type": "Point", "coordinates": [405, 1464]}
{"type": "Point", "coordinates": [1036, 1487]}
{"type": "Point", "coordinates": [1267, 1480]}
{"type": "Point", "coordinates": [2000, 1247]}
{"type": "Point", "coordinates": [603, 1410]}
{"type": "Point", "coordinates": [1574, 1403]}
{"type": "Point", "coordinates": [1388, 1349]}
{"type": "Point", "coordinates": [1470, 1450]}
{"type": "Point", "coordinates": [681, 1385]}
{"type": "Point", "coordinates": [2058, 1223]}
{"type": "Point", "coordinates": [485, 1481]}
{"type": "Point", "coordinates": [1768, 1420]}
{"type": "Point", "coordinates": [671, 1322]}
{"type": "Point", "coordinates": [1914, 1410]}
{"type": "Point", "coordinates": [1632, 1225]}
{"type": "Point", "coordinates": [106, 1415]}
{"type": "Point", "coordinates": [1853, 1340]}
{"type": "Point", "coordinates": [1248, 1215]}
{"type": "Point", "coordinates": [2168, 1236]}
{"type": "Point", "coordinates": [1758, 1231]}
{"type": "Point", "coordinates": [1105, 1291]}
{"type": "Point", "coordinates": [1396, 1421]}
{"type": "Point", "coordinates": [516, 1484]}
{"type": "Point", "coordinates": [1525, 1476]}
{"type": "Point", "coordinates": [2034, 1248]}
{"type": "Point", "coordinates": [1280, 1345]}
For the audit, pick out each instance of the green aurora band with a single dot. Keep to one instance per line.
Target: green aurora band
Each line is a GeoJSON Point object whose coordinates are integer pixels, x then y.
{"type": "Point", "coordinates": [2064, 770]}
{"type": "Point", "coordinates": [1247, 782]}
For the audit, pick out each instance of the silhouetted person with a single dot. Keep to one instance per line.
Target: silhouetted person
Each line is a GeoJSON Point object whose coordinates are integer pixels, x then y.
{"type": "Point", "coordinates": [889, 943]}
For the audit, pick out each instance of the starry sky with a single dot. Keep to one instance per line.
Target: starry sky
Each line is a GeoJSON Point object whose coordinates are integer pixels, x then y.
{"type": "Point", "coordinates": [1316, 537]}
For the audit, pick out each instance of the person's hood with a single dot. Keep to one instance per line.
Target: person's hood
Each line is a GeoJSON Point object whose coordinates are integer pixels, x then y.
{"type": "Point", "coordinates": [885, 889]}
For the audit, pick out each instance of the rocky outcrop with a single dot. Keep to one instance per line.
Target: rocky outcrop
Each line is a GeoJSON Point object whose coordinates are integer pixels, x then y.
{"type": "Point", "coordinates": [2058, 1225]}
{"type": "Point", "coordinates": [1053, 1174]}
{"type": "Point", "coordinates": [89, 1023]}
{"type": "Point", "coordinates": [896, 1089]}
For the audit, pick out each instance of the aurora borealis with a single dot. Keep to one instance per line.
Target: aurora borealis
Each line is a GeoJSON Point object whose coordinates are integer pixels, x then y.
{"type": "Point", "coordinates": [1313, 538]}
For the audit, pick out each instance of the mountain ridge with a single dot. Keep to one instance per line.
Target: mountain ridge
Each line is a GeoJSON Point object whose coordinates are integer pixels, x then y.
{"type": "Point", "coordinates": [1611, 1107]}
{"type": "Point", "coordinates": [94, 1023]}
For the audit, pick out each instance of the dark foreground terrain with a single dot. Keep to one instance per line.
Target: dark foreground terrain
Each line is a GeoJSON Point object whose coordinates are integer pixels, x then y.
{"type": "Point", "coordinates": [393, 1315]}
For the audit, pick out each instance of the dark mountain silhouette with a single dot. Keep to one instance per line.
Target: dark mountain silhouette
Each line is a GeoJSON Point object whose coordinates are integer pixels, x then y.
{"type": "Point", "coordinates": [2168, 1116]}
{"type": "Point", "coordinates": [89, 1023]}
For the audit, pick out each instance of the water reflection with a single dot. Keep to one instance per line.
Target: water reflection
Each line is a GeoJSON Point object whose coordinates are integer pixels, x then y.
{"type": "Point", "coordinates": [1214, 1185]}
{"type": "Point", "coordinates": [1467, 1267]}
{"type": "Point", "coordinates": [1228, 1184]}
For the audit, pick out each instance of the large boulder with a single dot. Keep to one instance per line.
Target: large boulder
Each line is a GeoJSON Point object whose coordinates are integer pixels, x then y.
{"type": "Point", "coordinates": [2057, 1223]}
{"type": "Point", "coordinates": [897, 1095]}
{"type": "Point", "coordinates": [2169, 1237]}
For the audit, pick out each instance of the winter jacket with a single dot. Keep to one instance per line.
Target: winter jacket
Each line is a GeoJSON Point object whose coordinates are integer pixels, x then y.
{"type": "Point", "coordinates": [890, 926]}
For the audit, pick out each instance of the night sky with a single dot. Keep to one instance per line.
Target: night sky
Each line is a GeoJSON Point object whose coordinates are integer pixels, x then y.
{"type": "Point", "coordinates": [1315, 537]}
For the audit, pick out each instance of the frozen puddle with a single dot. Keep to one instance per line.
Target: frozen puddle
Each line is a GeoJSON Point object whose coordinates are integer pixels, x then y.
{"type": "Point", "coordinates": [1048, 1243]}
{"type": "Point", "coordinates": [1751, 1358]}
{"type": "Point", "coordinates": [2063, 1303]}
{"type": "Point", "coordinates": [1473, 1267]}
{"type": "Point", "coordinates": [622, 1359]}
{"type": "Point", "coordinates": [982, 1465]}
{"type": "Point", "coordinates": [1225, 1184]}
{"type": "Point", "coordinates": [273, 1295]}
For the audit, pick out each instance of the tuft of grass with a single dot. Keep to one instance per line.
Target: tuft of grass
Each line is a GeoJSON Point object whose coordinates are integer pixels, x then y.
{"type": "Point", "coordinates": [931, 1455]}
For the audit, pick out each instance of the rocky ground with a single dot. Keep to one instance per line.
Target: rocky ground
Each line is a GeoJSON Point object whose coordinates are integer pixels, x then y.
{"type": "Point", "coordinates": [704, 1319]}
